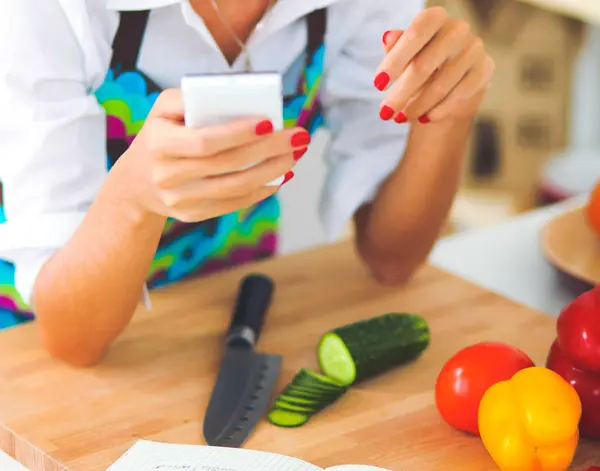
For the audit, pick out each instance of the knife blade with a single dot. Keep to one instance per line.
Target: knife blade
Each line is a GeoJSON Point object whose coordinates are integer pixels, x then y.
{"type": "Point", "coordinates": [246, 379]}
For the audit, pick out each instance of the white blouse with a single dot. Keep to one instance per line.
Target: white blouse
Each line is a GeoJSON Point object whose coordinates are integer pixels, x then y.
{"type": "Point", "coordinates": [55, 53]}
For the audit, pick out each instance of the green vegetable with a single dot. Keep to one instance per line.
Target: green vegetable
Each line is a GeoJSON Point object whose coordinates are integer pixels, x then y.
{"type": "Point", "coordinates": [308, 393]}
{"type": "Point", "coordinates": [283, 405]}
{"type": "Point", "coordinates": [317, 381]}
{"type": "Point", "coordinates": [284, 418]}
{"type": "Point", "coordinates": [347, 355]}
{"type": "Point", "coordinates": [300, 401]}
{"type": "Point", "coordinates": [364, 349]}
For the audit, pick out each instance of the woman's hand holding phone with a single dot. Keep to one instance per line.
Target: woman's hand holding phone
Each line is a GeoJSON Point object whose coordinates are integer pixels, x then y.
{"type": "Point", "coordinates": [193, 174]}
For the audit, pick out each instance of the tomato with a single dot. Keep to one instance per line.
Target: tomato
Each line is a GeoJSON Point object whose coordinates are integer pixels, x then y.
{"type": "Point", "coordinates": [592, 209]}
{"type": "Point", "coordinates": [578, 329]}
{"type": "Point", "coordinates": [587, 386]}
{"type": "Point", "coordinates": [467, 376]}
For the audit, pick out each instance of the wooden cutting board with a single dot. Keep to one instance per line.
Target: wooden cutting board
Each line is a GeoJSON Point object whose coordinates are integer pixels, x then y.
{"type": "Point", "coordinates": [156, 382]}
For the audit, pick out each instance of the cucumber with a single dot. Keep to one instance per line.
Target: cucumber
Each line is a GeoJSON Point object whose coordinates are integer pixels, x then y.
{"type": "Point", "coordinates": [364, 349]}
{"type": "Point", "coordinates": [284, 418]}
{"type": "Point", "coordinates": [347, 355]}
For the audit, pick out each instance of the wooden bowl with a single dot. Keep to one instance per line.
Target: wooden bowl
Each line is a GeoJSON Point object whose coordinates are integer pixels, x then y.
{"type": "Point", "coordinates": [570, 244]}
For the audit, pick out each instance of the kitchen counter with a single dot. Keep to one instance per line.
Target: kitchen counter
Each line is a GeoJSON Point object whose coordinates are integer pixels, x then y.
{"type": "Point", "coordinates": [507, 258]}
{"type": "Point", "coordinates": [156, 381]}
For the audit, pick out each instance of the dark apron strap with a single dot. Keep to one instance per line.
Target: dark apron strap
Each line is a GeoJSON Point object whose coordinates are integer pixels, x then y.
{"type": "Point", "coordinates": [317, 25]}
{"type": "Point", "coordinates": [128, 40]}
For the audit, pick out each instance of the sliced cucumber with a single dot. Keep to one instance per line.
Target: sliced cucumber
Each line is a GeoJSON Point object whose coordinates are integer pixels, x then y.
{"type": "Point", "coordinates": [285, 418]}
{"type": "Point", "coordinates": [361, 350]}
{"type": "Point", "coordinates": [308, 393]}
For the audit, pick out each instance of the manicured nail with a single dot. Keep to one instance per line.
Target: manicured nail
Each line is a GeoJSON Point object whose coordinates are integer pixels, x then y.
{"type": "Point", "coordinates": [424, 119]}
{"type": "Point", "coordinates": [385, 36]}
{"type": "Point", "coordinates": [299, 153]}
{"type": "Point", "coordinates": [382, 80]}
{"type": "Point", "coordinates": [401, 118]}
{"type": "Point", "coordinates": [301, 138]}
{"type": "Point", "coordinates": [386, 112]}
{"type": "Point", "coordinates": [288, 177]}
{"type": "Point", "coordinates": [264, 127]}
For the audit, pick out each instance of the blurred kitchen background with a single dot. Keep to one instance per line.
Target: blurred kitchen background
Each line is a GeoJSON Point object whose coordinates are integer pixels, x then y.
{"type": "Point", "coordinates": [537, 137]}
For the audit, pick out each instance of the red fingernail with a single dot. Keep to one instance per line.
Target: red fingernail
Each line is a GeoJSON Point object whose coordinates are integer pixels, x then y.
{"type": "Point", "coordinates": [301, 138]}
{"type": "Point", "coordinates": [386, 112]}
{"type": "Point", "coordinates": [299, 153]}
{"type": "Point", "coordinates": [424, 119]}
{"type": "Point", "coordinates": [264, 127]}
{"type": "Point", "coordinates": [288, 177]}
{"type": "Point", "coordinates": [382, 80]}
{"type": "Point", "coordinates": [385, 36]}
{"type": "Point", "coordinates": [401, 118]}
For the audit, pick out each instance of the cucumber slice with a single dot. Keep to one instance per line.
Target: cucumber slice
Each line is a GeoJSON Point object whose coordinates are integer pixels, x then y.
{"type": "Point", "coordinates": [364, 349]}
{"type": "Point", "coordinates": [315, 386]}
{"type": "Point", "coordinates": [300, 401]}
{"type": "Point", "coordinates": [310, 394]}
{"type": "Point", "coordinates": [312, 379]}
{"type": "Point", "coordinates": [284, 405]}
{"type": "Point", "coordinates": [284, 418]}
{"type": "Point", "coordinates": [324, 380]}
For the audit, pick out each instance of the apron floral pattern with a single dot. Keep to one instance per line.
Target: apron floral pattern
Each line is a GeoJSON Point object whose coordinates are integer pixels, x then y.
{"type": "Point", "coordinates": [185, 250]}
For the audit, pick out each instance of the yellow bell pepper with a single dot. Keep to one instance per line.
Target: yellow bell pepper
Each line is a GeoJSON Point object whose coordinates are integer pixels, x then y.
{"type": "Point", "coordinates": [530, 422]}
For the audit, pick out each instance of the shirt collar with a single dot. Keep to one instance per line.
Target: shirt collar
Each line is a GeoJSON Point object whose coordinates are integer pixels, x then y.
{"type": "Point", "coordinates": [292, 7]}
{"type": "Point", "coordinates": [284, 12]}
{"type": "Point", "coordinates": [128, 5]}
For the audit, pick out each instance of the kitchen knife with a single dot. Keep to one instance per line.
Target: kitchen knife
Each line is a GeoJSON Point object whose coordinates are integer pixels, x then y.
{"type": "Point", "coordinates": [246, 379]}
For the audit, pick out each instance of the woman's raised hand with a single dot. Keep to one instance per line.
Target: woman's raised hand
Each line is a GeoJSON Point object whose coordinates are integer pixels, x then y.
{"type": "Point", "coordinates": [436, 70]}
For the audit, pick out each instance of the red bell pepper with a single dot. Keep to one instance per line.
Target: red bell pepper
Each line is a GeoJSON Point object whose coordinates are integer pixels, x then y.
{"type": "Point", "coordinates": [575, 355]}
{"type": "Point", "coordinates": [587, 386]}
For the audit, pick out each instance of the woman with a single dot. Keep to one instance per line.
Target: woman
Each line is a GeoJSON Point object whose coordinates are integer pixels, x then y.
{"type": "Point", "coordinates": [80, 80]}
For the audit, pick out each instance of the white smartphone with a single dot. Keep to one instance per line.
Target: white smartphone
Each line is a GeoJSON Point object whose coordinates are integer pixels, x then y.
{"type": "Point", "coordinates": [211, 99]}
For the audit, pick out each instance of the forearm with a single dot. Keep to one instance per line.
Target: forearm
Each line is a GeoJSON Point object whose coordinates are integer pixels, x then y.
{"type": "Point", "coordinates": [395, 233]}
{"type": "Point", "coordinates": [86, 294]}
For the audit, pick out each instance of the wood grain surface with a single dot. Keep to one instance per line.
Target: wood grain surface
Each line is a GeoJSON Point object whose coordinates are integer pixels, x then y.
{"type": "Point", "coordinates": [570, 244]}
{"type": "Point", "coordinates": [156, 381]}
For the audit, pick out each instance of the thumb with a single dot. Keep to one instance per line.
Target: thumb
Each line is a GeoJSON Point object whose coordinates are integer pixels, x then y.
{"type": "Point", "coordinates": [390, 38]}
{"type": "Point", "coordinates": [169, 105]}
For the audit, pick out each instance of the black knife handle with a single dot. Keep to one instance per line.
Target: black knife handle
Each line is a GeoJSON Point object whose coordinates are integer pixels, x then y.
{"type": "Point", "coordinates": [254, 297]}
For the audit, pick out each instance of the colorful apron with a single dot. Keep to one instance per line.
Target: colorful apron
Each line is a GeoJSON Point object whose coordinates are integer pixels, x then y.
{"type": "Point", "coordinates": [189, 249]}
